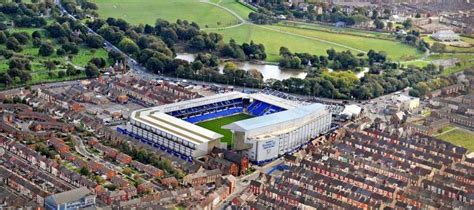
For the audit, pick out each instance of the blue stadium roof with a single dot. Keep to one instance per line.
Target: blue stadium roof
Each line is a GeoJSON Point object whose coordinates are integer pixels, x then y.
{"type": "Point", "coordinates": [276, 118]}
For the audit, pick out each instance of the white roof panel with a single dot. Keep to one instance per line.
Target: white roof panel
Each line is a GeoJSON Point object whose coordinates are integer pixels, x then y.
{"type": "Point", "coordinates": [272, 119]}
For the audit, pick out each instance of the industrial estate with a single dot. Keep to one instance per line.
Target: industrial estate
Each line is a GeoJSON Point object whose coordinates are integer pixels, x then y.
{"type": "Point", "coordinates": [237, 104]}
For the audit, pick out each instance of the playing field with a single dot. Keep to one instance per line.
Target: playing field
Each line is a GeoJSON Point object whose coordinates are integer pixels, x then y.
{"type": "Point", "coordinates": [146, 11]}
{"type": "Point", "coordinates": [460, 137]}
{"type": "Point", "coordinates": [215, 125]}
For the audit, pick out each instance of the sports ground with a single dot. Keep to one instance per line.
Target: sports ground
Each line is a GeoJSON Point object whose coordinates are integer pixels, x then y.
{"type": "Point", "coordinates": [229, 18]}
{"type": "Point", "coordinates": [459, 137]}
{"type": "Point", "coordinates": [216, 125]}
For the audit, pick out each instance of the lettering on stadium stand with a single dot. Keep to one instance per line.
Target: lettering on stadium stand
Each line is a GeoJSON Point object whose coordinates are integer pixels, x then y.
{"type": "Point", "coordinates": [268, 144]}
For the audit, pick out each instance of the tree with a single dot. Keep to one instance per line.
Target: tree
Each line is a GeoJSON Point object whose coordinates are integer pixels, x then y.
{"type": "Point", "coordinates": [46, 49]}
{"type": "Point", "coordinates": [13, 44]}
{"type": "Point", "coordinates": [389, 25]}
{"type": "Point", "coordinates": [285, 52]}
{"type": "Point", "coordinates": [60, 52]}
{"type": "Point", "coordinates": [71, 70]}
{"type": "Point", "coordinates": [91, 70]}
{"type": "Point", "coordinates": [127, 171]}
{"type": "Point", "coordinates": [155, 64]}
{"type": "Point", "coordinates": [3, 37]}
{"type": "Point", "coordinates": [61, 74]}
{"type": "Point", "coordinates": [197, 65]}
{"type": "Point", "coordinates": [99, 62]}
{"type": "Point", "coordinates": [84, 171]}
{"type": "Point", "coordinates": [36, 35]}
{"type": "Point", "coordinates": [407, 24]}
{"type": "Point", "coordinates": [37, 43]}
{"type": "Point", "coordinates": [379, 24]}
{"type": "Point", "coordinates": [70, 47]}
{"type": "Point", "coordinates": [6, 79]}
{"type": "Point", "coordinates": [19, 63]}
{"type": "Point", "coordinates": [22, 37]}
{"type": "Point", "coordinates": [129, 46]}
{"type": "Point", "coordinates": [99, 180]}
{"type": "Point", "coordinates": [94, 41]}
{"type": "Point", "coordinates": [50, 65]}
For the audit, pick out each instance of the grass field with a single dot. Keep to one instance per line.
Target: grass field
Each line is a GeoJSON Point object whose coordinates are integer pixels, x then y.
{"type": "Point", "coordinates": [394, 49]}
{"type": "Point", "coordinates": [215, 125]}
{"type": "Point", "coordinates": [459, 137]}
{"type": "Point", "coordinates": [146, 11]}
{"type": "Point", "coordinates": [274, 40]}
{"type": "Point", "coordinates": [309, 38]}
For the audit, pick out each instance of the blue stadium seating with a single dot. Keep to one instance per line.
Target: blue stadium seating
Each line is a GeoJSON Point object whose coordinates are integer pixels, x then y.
{"type": "Point", "coordinates": [190, 112]}
{"type": "Point", "coordinates": [224, 108]}
{"type": "Point", "coordinates": [259, 108]}
{"type": "Point", "coordinates": [213, 115]}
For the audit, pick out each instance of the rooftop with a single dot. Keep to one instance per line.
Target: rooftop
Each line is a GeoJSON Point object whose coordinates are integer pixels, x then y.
{"type": "Point", "coordinates": [276, 118]}
{"type": "Point", "coordinates": [176, 127]}
{"type": "Point", "coordinates": [70, 196]}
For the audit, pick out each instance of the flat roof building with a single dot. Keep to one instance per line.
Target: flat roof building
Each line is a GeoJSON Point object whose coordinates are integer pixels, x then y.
{"type": "Point", "coordinates": [73, 199]}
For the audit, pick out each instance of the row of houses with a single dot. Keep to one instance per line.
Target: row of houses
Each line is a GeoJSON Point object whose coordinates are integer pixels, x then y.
{"type": "Point", "coordinates": [37, 161]}
{"type": "Point", "coordinates": [22, 186]}
{"type": "Point", "coordinates": [150, 92]}
{"type": "Point", "coordinates": [370, 169]}
{"type": "Point", "coordinates": [120, 157]}
{"type": "Point", "coordinates": [458, 110]}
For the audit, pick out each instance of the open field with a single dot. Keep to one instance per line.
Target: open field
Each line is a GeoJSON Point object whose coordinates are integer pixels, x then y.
{"type": "Point", "coordinates": [332, 29]}
{"type": "Point", "coordinates": [314, 41]}
{"type": "Point", "coordinates": [273, 40]}
{"type": "Point", "coordinates": [310, 38]}
{"type": "Point", "coordinates": [459, 137]}
{"type": "Point", "coordinates": [145, 11]}
{"type": "Point", "coordinates": [238, 8]}
{"type": "Point", "coordinates": [395, 49]}
{"type": "Point", "coordinates": [215, 125]}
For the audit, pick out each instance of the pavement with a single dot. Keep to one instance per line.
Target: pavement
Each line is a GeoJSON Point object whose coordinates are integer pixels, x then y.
{"type": "Point", "coordinates": [244, 181]}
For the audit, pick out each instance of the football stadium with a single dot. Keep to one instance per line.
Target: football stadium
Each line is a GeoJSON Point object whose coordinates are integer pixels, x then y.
{"type": "Point", "coordinates": [260, 125]}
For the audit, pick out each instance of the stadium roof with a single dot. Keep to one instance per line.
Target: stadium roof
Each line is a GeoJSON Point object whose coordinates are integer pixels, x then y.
{"type": "Point", "coordinates": [198, 101]}
{"type": "Point", "coordinates": [274, 100]}
{"type": "Point", "coordinates": [276, 118]}
{"type": "Point", "coordinates": [175, 126]}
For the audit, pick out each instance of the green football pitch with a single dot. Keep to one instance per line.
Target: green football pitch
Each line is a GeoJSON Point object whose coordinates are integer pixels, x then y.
{"type": "Point", "coordinates": [215, 125]}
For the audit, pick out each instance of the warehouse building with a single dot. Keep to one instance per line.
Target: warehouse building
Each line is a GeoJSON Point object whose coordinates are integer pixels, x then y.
{"type": "Point", "coordinates": [79, 198]}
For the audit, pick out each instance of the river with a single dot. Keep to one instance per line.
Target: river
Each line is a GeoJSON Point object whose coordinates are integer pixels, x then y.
{"type": "Point", "coordinates": [268, 71]}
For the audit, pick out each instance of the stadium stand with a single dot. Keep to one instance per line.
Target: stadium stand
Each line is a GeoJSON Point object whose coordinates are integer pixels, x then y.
{"type": "Point", "coordinates": [223, 109]}
{"type": "Point", "coordinates": [214, 115]}
{"type": "Point", "coordinates": [259, 108]}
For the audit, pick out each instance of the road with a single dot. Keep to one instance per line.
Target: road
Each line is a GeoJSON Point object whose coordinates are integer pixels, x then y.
{"type": "Point", "coordinates": [243, 182]}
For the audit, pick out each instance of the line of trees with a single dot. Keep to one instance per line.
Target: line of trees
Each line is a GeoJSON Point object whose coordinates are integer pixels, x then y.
{"type": "Point", "coordinates": [153, 46]}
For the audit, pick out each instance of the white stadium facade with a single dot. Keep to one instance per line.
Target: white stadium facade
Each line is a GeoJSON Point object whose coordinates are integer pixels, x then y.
{"type": "Point", "coordinates": [278, 126]}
